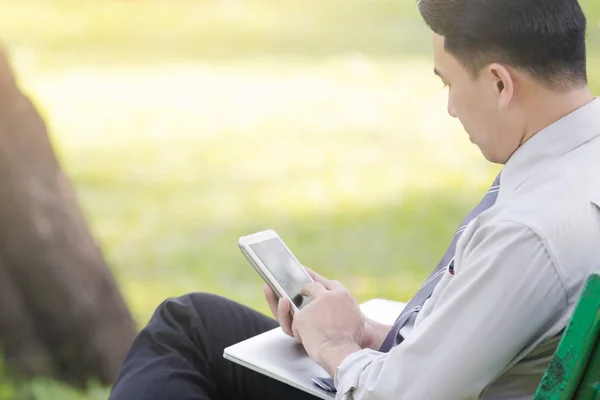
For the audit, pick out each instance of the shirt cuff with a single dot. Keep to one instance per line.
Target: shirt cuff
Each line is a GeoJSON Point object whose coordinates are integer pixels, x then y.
{"type": "Point", "coordinates": [348, 373]}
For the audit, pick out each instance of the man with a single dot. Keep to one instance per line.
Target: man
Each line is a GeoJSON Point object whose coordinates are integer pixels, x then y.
{"type": "Point", "coordinates": [486, 323]}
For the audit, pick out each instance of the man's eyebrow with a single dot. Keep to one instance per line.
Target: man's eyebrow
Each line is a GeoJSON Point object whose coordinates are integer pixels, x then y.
{"type": "Point", "coordinates": [435, 71]}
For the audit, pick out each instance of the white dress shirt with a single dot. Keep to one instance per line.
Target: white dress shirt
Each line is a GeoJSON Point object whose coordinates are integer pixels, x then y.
{"type": "Point", "coordinates": [490, 330]}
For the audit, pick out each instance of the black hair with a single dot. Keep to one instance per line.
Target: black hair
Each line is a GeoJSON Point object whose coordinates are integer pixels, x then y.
{"type": "Point", "coordinates": [543, 37]}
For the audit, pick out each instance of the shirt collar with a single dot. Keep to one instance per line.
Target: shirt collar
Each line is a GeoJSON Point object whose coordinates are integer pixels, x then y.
{"type": "Point", "coordinates": [549, 144]}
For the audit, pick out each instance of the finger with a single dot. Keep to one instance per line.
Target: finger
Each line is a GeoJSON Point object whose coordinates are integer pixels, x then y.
{"type": "Point", "coordinates": [316, 277]}
{"type": "Point", "coordinates": [271, 299]}
{"type": "Point", "coordinates": [284, 317]}
{"type": "Point", "coordinates": [334, 285]}
{"type": "Point", "coordinates": [295, 332]}
{"type": "Point", "coordinates": [313, 290]}
{"type": "Point", "coordinates": [312, 273]}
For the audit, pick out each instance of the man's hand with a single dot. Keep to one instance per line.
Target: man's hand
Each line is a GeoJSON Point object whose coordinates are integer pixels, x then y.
{"type": "Point", "coordinates": [332, 326]}
{"type": "Point", "coordinates": [374, 332]}
{"type": "Point", "coordinates": [281, 308]}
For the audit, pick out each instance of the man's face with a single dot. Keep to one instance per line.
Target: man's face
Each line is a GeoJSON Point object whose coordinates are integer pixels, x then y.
{"type": "Point", "coordinates": [476, 103]}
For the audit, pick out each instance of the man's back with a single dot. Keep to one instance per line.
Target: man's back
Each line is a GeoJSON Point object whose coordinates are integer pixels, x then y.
{"type": "Point", "coordinates": [555, 192]}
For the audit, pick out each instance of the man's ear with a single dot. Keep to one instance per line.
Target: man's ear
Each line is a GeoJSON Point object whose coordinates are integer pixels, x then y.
{"type": "Point", "coordinates": [503, 83]}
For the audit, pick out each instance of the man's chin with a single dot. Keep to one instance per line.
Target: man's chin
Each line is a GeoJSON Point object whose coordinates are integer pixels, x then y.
{"type": "Point", "coordinates": [491, 156]}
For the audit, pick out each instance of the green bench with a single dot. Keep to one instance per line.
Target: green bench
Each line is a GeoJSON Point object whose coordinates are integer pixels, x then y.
{"type": "Point", "coordinates": [574, 372]}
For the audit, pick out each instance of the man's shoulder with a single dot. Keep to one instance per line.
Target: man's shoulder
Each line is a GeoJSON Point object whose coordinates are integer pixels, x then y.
{"type": "Point", "coordinates": [557, 197]}
{"type": "Point", "coordinates": [555, 207]}
{"type": "Point", "coordinates": [566, 220]}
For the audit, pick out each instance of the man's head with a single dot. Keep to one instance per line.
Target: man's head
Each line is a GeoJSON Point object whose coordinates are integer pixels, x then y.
{"type": "Point", "coordinates": [503, 58]}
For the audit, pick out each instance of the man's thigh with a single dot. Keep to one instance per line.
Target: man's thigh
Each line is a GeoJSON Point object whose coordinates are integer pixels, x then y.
{"type": "Point", "coordinates": [179, 354]}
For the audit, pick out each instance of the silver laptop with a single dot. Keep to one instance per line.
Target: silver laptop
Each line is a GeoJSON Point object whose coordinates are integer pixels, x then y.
{"type": "Point", "coordinates": [280, 357]}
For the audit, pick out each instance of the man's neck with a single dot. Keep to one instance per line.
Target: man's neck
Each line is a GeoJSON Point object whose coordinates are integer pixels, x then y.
{"type": "Point", "coordinates": [547, 107]}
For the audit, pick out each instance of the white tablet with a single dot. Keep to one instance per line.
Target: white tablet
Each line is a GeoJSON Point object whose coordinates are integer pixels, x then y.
{"type": "Point", "coordinates": [274, 261]}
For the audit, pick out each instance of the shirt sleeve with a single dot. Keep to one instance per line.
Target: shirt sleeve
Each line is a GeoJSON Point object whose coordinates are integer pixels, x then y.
{"type": "Point", "coordinates": [504, 292]}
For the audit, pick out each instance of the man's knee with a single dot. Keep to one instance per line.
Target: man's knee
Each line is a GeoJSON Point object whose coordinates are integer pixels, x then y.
{"type": "Point", "coordinates": [188, 306]}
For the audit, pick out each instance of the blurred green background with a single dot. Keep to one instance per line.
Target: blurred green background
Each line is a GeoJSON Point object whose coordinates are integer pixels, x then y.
{"type": "Point", "coordinates": [185, 124]}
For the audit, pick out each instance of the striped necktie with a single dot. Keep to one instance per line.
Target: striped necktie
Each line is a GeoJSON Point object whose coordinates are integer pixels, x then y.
{"type": "Point", "coordinates": [416, 303]}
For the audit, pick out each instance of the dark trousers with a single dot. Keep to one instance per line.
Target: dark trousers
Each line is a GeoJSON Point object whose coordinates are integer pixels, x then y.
{"type": "Point", "coordinates": [179, 355]}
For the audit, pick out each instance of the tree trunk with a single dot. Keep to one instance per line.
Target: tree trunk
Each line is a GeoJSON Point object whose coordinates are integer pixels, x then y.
{"type": "Point", "coordinates": [61, 312]}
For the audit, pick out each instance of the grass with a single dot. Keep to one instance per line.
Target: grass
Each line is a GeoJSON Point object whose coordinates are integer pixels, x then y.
{"type": "Point", "coordinates": [171, 178]}
{"type": "Point", "coordinates": [183, 127]}
{"type": "Point", "coordinates": [156, 31]}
